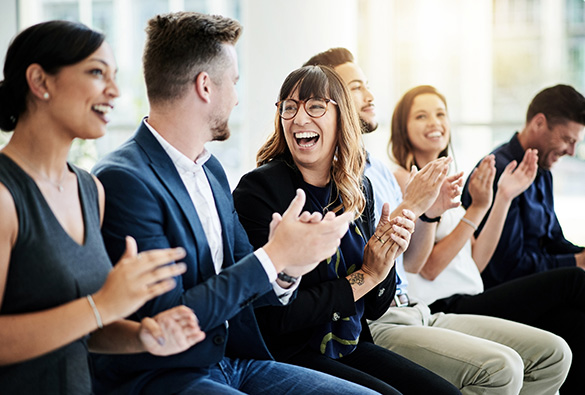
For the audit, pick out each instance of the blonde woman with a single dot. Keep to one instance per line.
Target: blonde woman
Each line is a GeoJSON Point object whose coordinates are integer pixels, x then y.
{"type": "Point", "coordinates": [316, 146]}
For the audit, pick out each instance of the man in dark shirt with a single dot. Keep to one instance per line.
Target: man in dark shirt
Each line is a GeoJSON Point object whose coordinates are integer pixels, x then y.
{"type": "Point", "coordinates": [532, 240]}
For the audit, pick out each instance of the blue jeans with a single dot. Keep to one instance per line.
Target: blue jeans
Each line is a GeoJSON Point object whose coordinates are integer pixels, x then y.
{"type": "Point", "coordinates": [247, 376]}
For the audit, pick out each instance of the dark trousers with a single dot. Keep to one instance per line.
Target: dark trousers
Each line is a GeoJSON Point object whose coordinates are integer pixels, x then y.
{"type": "Point", "coordinates": [379, 369]}
{"type": "Point", "coordinates": [553, 300]}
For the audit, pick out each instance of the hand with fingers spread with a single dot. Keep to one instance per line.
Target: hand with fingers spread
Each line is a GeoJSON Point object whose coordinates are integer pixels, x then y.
{"type": "Point", "coordinates": [422, 187]}
{"type": "Point", "coordinates": [299, 240]}
{"type": "Point", "coordinates": [170, 332]}
{"type": "Point", "coordinates": [481, 183]}
{"type": "Point", "coordinates": [136, 279]}
{"type": "Point", "coordinates": [448, 196]}
{"type": "Point", "coordinates": [516, 179]}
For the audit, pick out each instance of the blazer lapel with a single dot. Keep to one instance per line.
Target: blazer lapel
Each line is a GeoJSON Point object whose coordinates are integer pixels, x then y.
{"type": "Point", "coordinates": [166, 172]}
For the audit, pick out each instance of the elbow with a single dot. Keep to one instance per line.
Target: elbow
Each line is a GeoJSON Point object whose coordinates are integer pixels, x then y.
{"type": "Point", "coordinates": [412, 268]}
{"type": "Point", "coordinates": [429, 275]}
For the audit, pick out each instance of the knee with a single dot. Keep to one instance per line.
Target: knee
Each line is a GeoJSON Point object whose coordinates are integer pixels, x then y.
{"type": "Point", "coordinates": [555, 356]}
{"type": "Point", "coordinates": [503, 371]}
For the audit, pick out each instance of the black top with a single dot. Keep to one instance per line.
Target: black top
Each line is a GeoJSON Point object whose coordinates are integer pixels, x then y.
{"type": "Point", "coordinates": [319, 300]}
{"type": "Point", "coordinates": [47, 269]}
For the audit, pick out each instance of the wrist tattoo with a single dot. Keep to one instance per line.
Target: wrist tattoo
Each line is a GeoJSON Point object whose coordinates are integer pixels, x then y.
{"type": "Point", "coordinates": [356, 278]}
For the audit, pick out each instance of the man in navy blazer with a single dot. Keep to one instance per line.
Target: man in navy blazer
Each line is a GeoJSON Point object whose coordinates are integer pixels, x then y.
{"type": "Point", "coordinates": [165, 189]}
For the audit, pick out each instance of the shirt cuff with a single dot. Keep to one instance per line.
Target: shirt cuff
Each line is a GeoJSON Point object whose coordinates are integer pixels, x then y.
{"type": "Point", "coordinates": [284, 294]}
{"type": "Point", "coordinates": [266, 263]}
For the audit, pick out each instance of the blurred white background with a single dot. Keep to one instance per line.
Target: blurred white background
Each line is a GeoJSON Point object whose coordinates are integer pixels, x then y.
{"type": "Point", "coordinates": [489, 57]}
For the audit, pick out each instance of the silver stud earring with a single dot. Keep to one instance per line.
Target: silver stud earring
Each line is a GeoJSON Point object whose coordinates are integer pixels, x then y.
{"type": "Point", "coordinates": [46, 95]}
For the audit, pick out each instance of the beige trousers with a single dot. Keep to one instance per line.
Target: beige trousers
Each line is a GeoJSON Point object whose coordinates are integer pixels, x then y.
{"type": "Point", "coordinates": [478, 354]}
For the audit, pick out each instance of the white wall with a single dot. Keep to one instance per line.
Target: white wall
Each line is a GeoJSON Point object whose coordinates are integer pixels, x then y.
{"type": "Point", "coordinates": [279, 36]}
{"type": "Point", "coordinates": [8, 26]}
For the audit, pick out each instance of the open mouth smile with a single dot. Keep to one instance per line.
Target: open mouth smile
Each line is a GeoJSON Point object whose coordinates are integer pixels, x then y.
{"type": "Point", "coordinates": [306, 139]}
{"type": "Point", "coordinates": [435, 135]}
{"type": "Point", "coordinates": [102, 110]}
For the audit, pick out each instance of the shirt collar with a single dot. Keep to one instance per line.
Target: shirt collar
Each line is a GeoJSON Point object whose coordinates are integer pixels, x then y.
{"type": "Point", "coordinates": [517, 153]}
{"type": "Point", "coordinates": [516, 148]}
{"type": "Point", "coordinates": [179, 159]}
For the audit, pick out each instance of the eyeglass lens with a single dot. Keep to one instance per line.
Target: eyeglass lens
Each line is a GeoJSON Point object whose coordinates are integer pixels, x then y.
{"type": "Point", "coordinates": [315, 107]}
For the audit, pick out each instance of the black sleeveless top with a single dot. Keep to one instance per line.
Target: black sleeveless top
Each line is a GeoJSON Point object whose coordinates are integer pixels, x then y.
{"type": "Point", "coordinates": [47, 269]}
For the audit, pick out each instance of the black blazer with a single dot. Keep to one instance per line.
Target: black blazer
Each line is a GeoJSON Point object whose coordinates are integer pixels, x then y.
{"type": "Point", "coordinates": [288, 329]}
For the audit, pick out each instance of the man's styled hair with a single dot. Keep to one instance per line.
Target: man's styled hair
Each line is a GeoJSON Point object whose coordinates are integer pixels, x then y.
{"type": "Point", "coordinates": [181, 45]}
{"type": "Point", "coordinates": [333, 57]}
{"type": "Point", "coordinates": [559, 104]}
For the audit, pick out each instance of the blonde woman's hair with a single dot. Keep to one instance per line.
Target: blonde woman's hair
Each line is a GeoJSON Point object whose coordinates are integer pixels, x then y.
{"type": "Point", "coordinates": [349, 160]}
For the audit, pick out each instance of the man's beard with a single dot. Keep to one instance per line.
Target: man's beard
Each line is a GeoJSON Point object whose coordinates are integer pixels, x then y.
{"type": "Point", "coordinates": [220, 131]}
{"type": "Point", "coordinates": [368, 127]}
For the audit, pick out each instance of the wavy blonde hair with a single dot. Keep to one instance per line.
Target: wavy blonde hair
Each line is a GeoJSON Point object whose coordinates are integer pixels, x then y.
{"type": "Point", "coordinates": [400, 148]}
{"type": "Point", "coordinates": [349, 160]}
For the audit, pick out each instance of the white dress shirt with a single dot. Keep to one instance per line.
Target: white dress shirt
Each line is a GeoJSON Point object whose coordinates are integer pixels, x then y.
{"type": "Point", "coordinates": [197, 185]}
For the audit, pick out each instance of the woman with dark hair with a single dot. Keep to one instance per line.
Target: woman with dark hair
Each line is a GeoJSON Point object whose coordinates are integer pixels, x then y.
{"type": "Point", "coordinates": [447, 258]}
{"type": "Point", "coordinates": [59, 295]}
{"type": "Point", "coordinates": [316, 146]}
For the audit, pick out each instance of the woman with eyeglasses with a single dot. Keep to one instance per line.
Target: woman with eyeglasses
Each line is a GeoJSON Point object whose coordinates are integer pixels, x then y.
{"type": "Point", "coordinates": [316, 146]}
{"type": "Point", "coordinates": [59, 296]}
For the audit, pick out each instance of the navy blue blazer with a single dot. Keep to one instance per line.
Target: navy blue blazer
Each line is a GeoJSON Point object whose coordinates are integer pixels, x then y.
{"type": "Point", "coordinates": [146, 199]}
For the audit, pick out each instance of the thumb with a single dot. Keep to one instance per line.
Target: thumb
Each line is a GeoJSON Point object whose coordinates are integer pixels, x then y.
{"type": "Point", "coordinates": [296, 205]}
{"type": "Point", "coordinates": [131, 248]}
{"type": "Point", "coordinates": [385, 216]}
{"type": "Point", "coordinates": [276, 218]}
{"type": "Point", "coordinates": [152, 328]}
{"type": "Point", "coordinates": [413, 171]}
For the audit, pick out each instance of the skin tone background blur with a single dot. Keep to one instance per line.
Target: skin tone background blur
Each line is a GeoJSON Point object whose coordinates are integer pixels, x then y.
{"type": "Point", "coordinates": [488, 57]}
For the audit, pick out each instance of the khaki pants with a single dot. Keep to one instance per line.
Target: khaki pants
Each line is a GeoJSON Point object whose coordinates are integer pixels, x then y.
{"type": "Point", "coordinates": [478, 354]}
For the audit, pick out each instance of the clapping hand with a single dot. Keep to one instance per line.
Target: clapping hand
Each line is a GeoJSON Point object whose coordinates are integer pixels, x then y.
{"type": "Point", "coordinates": [298, 241]}
{"type": "Point", "coordinates": [136, 279]}
{"type": "Point", "coordinates": [481, 183]}
{"type": "Point", "coordinates": [448, 196]}
{"type": "Point", "coordinates": [390, 239]}
{"type": "Point", "coordinates": [515, 180]}
{"type": "Point", "coordinates": [423, 186]}
{"type": "Point", "coordinates": [170, 332]}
